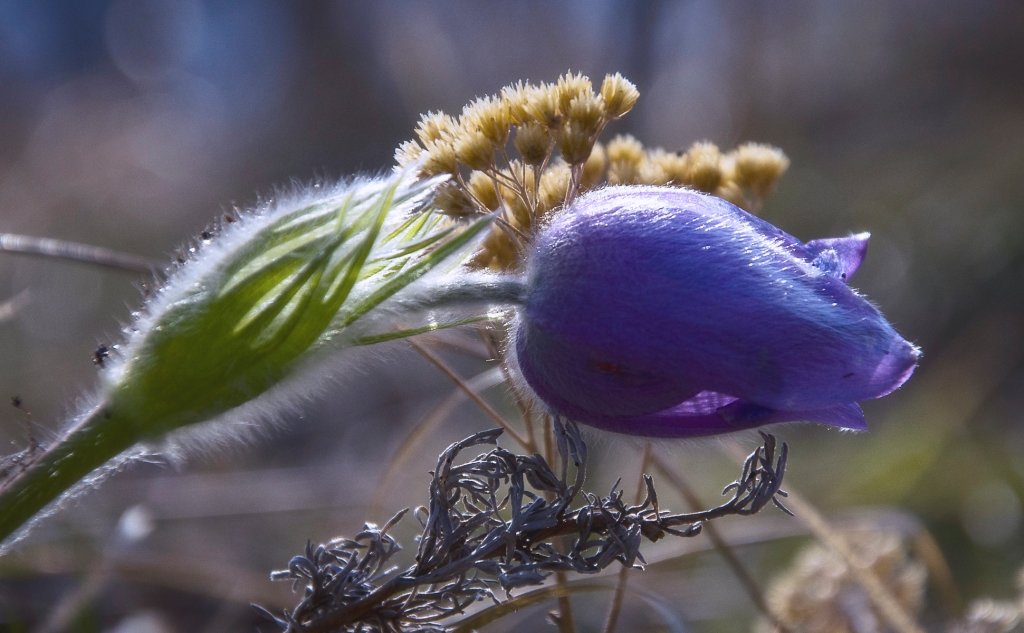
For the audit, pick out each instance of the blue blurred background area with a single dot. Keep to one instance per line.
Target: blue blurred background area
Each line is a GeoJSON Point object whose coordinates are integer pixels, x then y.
{"type": "Point", "coordinates": [133, 124]}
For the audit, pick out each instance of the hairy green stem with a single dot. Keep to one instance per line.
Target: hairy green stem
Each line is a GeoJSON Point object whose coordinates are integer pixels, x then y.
{"type": "Point", "coordinates": [44, 477]}
{"type": "Point", "coordinates": [469, 288]}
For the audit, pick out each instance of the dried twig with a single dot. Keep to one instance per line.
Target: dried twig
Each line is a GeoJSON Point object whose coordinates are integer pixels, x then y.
{"type": "Point", "coordinates": [78, 252]}
{"type": "Point", "coordinates": [489, 527]}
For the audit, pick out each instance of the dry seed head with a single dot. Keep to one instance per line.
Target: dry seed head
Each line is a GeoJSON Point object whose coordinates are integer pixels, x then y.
{"type": "Point", "coordinates": [758, 167]}
{"type": "Point", "coordinates": [516, 177]}
{"type": "Point", "coordinates": [490, 116]}
{"type": "Point", "coordinates": [567, 112]}
{"type": "Point", "coordinates": [574, 141]}
{"type": "Point", "coordinates": [542, 105]}
{"type": "Point", "coordinates": [625, 156]}
{"type": "Point", "coordinates": [651, 171]}
{"type": "Point", "coordinates": [474, 150]}
{"type": "Point", "coordinates": [439, 158]}
{"type": "Point", "coordinates": [515, 98]}
{"type": "Point", "coordinates": [435, 126]}
{"type": "Point", "coordinates": [625, 149]}
{"type": "Point", "coordinates": [703, 166]}
{"type": "Point", "coordinates": [671, 164]}
{"type": "Point", "coordinates": [593, 169]}
{"type": "Point", "coordinates": [619, 95]}
{"type": "Point", "coordinates": [521, 214]}
{"type": "Point", "coordinates": [569, 87]}
{"type": "Point", "coordinates": [623, 173]}
{"type": "Point", "coordinates": [518, 171]}
{"type": "Point", "coordinates": [408, 152]}
{"type": "Point", "coordinates": [481, 187]}
{"type": "Point", "coordinates": [588, 111]}
{"type": "Point", "coordinates": [533, 142]}
{"type": "Point", "coordinates": [497, 252]}
{"type": "Point", "coordinates": [453, 201]}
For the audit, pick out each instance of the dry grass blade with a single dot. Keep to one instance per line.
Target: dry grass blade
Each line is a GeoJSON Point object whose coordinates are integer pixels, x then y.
{"type": "Point", "coordinates": [495, 612]}
{"type": "Point", "coordinates": [888, 607]}
{"type": "Point", "coordinates": [890, 610]}
{"type": "Point", "coordinates": [612, 618]}
{"type": "Point", "coordinates": [485, 406]}
{"type": "Point", "coordinates": [750, 584]}
{"type": "Point", "coordinates": [428, 425]}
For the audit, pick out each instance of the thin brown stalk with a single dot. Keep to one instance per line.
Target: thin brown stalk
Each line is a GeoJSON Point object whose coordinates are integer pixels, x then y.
{"type": "Point", "coordinates": [563, 618]}
{"type": "Point", "coordinates": [939, 572]}
{"type": "Point", "coordinates": [525, 407]}
{"type": "Point", "coordinates": [575, 178]}
{"type": "Point", "coordinates": [62, 615]}
{"type": "Point", "coordinates": [485, 406]}
{"type": "Point", "coordinates": [544, 164]}
{"type": "Point", "coordinates": [728, 554]}
{"type": "Point", "coordinates": [888, 608]}
{"type": "Point", "coordinates": [427, 425]}
{"type": "Point", "coordinates": [517, 236]}
{"type": "Point", "coordinates": [612, 618]}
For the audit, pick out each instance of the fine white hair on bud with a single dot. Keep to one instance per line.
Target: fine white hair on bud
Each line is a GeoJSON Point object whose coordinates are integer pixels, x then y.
{"type": "Point", "coordinates": [312, 271]}
{"type": "Point", "coordinates": [237, 317]}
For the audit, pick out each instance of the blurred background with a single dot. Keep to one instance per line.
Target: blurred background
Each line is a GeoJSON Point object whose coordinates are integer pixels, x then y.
{"type": "Point", "coordinates": [132, 124]}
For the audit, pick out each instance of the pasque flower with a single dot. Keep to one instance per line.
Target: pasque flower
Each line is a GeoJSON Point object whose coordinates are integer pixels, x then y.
{"type": "Point", "coordinates": [660, 311]}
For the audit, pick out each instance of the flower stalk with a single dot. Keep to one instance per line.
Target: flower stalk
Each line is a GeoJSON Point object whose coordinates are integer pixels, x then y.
{"type": "Point", "coordinates": [92, 441]}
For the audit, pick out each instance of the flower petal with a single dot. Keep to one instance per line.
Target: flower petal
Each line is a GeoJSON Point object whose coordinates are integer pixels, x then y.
{"type": "Point", "coordinates": [641, 298]}
{"type": "Point", "coordinates": [712, 413]}
{"type": "Point", "coordinates": [576, 378]}
{"type": "Point", "coordinates": [839, 256]}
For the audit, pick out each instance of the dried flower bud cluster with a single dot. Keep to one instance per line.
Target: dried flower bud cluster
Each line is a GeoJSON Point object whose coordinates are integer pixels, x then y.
{"type": "Point", "coordinates": [523, 152]}
{"type": "Point", "coordinates": [744, 176]}
{"type": "Point", "coordinates": [821, 594]}
{"type": "Point", "coordinates": [994, 616]}
{"type": "Point", "coordinates": [553, 129]}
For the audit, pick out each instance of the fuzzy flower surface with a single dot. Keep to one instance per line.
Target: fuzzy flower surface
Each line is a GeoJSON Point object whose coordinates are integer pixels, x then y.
{"type": "Point", "coordinates": [664, 312]}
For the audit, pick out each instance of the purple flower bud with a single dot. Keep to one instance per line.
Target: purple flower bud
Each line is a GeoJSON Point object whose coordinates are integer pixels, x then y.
{"type": "Point", "coordinates": [664, 312]}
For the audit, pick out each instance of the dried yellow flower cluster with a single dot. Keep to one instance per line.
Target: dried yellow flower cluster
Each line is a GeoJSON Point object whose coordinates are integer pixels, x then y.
{"type": "Point", "coordinates": [553, 129]}
{"type": "Point", "coordinates": [744, 176]}
{"type": "Point", "coordinates": [821, 595]}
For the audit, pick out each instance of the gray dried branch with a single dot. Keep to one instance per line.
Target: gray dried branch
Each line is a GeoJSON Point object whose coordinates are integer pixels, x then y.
{"type": "Point", "coordinates": [489, 526]}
